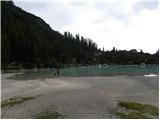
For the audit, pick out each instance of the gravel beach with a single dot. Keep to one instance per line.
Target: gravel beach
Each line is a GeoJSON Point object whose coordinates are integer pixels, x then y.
{"type": "Point", "coordinates": [77, 97]}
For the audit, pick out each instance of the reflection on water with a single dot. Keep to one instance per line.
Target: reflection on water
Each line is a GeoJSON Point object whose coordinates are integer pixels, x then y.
{"type": "Point", "coordinates": [89, 71]}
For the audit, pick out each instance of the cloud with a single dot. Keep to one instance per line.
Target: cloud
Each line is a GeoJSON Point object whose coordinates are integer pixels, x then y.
{"type": "Point", "coordinates": [32, 6]}
{"type": "Point", "coordinates": [120, 23]}
{"type": "Point", "coordinates": [150, 5]}
{"type": "Point", "coordinates": [57, 14]}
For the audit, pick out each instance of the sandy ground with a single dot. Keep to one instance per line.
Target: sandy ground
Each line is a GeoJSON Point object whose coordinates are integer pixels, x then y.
{"type": "Point", "coordinates": [78, 97]}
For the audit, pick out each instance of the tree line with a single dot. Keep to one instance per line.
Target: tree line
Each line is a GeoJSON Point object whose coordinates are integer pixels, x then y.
{"type": "Point", "coordinates": [27, 41]}
{"type": "Point", "coordinates": [124, 57]}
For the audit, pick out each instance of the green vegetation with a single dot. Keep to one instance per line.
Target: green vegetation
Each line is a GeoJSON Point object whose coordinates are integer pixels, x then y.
{"type": "Point", "coordinates": [133, 110]}
{"type": "Point", "coordinates": [124, 57]}
{"type": "Point", "coordinates": [16, 100]}
{"type": "Point", "coordinates": [133, 115]}
{"type": "Point", "coordinates": [48, 115]}
{"type": "Point", "coordinates": [28, 42]}
{"type": "Point", "coordinates": [139, 107]}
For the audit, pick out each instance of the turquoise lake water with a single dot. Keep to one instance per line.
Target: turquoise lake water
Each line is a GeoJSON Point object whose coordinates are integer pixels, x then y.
{"type": "Point", "coordinates": [90, 71]}
{"type": "Point", "coordinates": [110, 70]}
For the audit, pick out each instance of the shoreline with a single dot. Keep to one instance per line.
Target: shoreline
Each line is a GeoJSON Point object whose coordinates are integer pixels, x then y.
{"type": "Point", "coordinates": [22, 75]}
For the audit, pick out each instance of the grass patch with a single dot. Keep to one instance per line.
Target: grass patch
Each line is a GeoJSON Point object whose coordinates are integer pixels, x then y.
{"type": "Point", "coordinates": [139, 107]}
{"type": "Point", "coordinates": [132, 115]}
{"type": "Point", "coordinates": [48, 115]}
{"type": "Point", "coordinates": [15, 100]}
{"type": "Point", "coordinates": [134, 110]}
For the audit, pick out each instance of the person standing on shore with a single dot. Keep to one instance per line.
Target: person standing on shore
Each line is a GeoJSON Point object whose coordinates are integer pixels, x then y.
{"type": "Point", "coordinates": [56, 72]}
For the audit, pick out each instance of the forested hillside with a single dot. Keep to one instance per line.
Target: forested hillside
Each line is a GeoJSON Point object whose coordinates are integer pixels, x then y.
{"type": "Point", "coordinates": [28, 41]}
{"type": "Point", "coordinates": [124, 57]}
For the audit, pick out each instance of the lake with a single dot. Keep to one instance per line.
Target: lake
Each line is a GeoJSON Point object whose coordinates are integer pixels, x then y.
{"type": "Point", "coordinates": [89, 71]}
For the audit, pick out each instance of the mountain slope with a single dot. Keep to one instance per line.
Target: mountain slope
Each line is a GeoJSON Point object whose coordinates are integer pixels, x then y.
{"type": "Point", "coordinates": [28, 41]}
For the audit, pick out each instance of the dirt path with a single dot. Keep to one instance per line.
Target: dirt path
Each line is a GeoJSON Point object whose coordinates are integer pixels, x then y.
{"type": "Point", "coordinates": [77, 97]}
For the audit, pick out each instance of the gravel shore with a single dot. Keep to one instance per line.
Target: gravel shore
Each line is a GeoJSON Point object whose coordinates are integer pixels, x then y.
{"type": "Point", "coordinates": [77, 97]}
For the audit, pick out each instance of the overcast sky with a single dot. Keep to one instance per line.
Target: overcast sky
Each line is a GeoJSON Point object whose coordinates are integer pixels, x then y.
{"type": "Point", "coordinates": [124, 24]}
